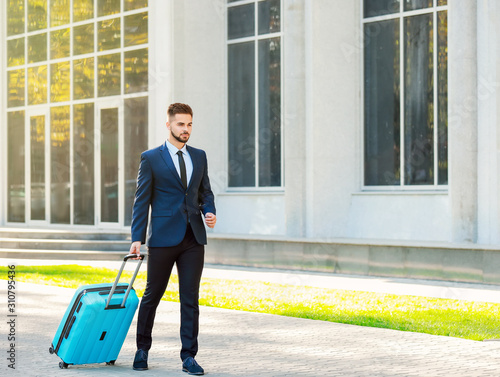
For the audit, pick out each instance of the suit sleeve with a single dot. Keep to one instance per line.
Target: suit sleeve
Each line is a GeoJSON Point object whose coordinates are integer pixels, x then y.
{"type": "Point", "coordinates": [205, 194]}
{"type": "Point", "coordinates": [140, 211]}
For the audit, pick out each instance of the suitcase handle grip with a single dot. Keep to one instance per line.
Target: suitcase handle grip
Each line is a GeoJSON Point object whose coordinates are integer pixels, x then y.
{"type": "Point", "coordinates": [127, 257]}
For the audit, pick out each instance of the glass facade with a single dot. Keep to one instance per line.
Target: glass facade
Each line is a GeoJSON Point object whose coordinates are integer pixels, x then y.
{"type": "Point", "coordinates": [405, 93]}
{"type": "Point", "coordinates": [254, 93]}
{"type": "Point", "coordinates": [73, 69]}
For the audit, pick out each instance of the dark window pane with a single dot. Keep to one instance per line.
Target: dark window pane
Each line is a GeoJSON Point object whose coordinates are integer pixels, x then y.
{"type": "Point", "coordinates": [37, 85]}
{"type": "Point", "coordinates": [37, 48]}
{"type": "Point", "coordinates": [241, 21]}
{"type": "Point", "coordinates": [417, 4]}
{"type": "Point", "coordinates": [442, 2]}
{"type": "Point", "coordinates": [241, 120]}
{"type": "Point", "coordinates": [374, 8]}
{"type": "Point", "coordinates": [270, 112]}
{"type": "Point", "coordinates": [108, 33]}
{"type": "Point", "coordinates": [59, 12]}
{"type": "Point", "coordinates": [60, 82]}
{"type": "Point", "coordinates": [15, 52]}
{"type": "Point", "coordinates": [382, 103]}
{"type": "Point", "coordinates": [136, 71]}
{"type": "Point", "coordinates": [83, 78]}
{"type": "Point", "coordinates": [37, 139]}
{"type": "Point", "coordinates": [109, 165]}
{"type": "Point", "coordinates": [15, 17]}
{"type": "Point", "coordinates": [15, 163]}
{"type": "Point", "coordinates": [136, 29]}
{"type": "Point", "coordinates": [83, 39]}
{"type": "Point", "coordinates": [59, 165]}
{"type": "Point", "coordinates": [107, 7]}
{"type": "Point", "coordinates": [109, 70]}
{"type": "Point", "coordinates": [136, 141]}
{"type": "Point", "coordinates": [135, 4]}
{"type": "Point", "coordinates": [269, 17]}
{"type": "Point", "coordinates": [15, 88]}
{"type": "Point", "coordinates": [442, 93]}
{"type": "Point", "coordinates": [419, 97]}
{"type": "Point", "coordinates": [59, 43]}
{"type": "Point", "coordinates": [83, 159]}
{"type": "Point", "coordinates": [37, 15]}
{"type": "Point", "coordinates": [83, 10]}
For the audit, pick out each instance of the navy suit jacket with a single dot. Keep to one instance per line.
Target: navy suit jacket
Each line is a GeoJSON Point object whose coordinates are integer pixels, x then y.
{"type": "Point", "coordinates": [172, 206]}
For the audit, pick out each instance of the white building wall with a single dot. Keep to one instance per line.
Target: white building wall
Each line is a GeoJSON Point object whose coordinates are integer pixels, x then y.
{"type": "Point", "coordinates": [323, 129]}
{"type": "Point", "coordinates": [488, 52]}
{"type": "Point", "coordinates": [160, 68]}
{"type": "Point", "coordinates": [335, 115]}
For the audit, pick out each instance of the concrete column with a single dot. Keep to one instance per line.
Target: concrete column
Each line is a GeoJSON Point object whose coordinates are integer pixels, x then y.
{"type": "Point", "coordinates": [297, 51]}
{"type": "Point", "coordinates": [160, 67]}
{"type": "Point", "coordinates": [462, 119]}
{"type": "Point", "coordinates": [488, 16]}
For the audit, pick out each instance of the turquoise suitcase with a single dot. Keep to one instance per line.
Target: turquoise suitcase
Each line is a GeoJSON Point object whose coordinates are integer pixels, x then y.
{"type": "Point", "coordinates": [96, 322]}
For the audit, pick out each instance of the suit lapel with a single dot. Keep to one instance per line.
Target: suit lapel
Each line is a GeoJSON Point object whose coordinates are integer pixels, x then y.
{"type": "Point", "coordinates": [165, 155]}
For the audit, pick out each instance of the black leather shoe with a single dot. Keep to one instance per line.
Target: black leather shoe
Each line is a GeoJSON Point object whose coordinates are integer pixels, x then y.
{"type": "Point", "coordinates": [190, 366]}
{"type": "Point", "coordinates": [141, 360]}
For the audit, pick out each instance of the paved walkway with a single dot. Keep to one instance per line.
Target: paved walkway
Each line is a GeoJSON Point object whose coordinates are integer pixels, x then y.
{"type": "Point", "coordinates": [234, 343]}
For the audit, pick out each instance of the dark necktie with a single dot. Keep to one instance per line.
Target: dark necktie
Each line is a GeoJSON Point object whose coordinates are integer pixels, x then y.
{"type": "Point", "coordinates": [182, 167]}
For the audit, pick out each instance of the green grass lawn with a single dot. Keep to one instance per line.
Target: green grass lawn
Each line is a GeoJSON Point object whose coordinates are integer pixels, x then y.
{"type": "Point", "coordinates": [462, 319]}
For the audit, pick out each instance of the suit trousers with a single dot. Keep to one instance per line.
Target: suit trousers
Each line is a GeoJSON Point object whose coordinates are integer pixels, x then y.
{"type": "Point", "coordinates": [189, 258]}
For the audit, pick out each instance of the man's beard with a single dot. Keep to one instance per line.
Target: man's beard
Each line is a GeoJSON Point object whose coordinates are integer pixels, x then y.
{"type": "Point", "coordinates": [178, 137]}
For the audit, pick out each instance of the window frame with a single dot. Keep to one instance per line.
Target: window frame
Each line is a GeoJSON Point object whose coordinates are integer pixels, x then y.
{"type": "Point", "coordinates": [255, 39]}
{"type": "Point", "coordinates": [401, 15]}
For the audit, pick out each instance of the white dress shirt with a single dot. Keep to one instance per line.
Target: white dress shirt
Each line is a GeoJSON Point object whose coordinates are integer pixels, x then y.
{"type": "Point", "coordinates": [175, 158]}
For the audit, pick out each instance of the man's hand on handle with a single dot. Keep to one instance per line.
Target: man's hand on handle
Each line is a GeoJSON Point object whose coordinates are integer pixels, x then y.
{"type": "Point", "coordinates": [210, 219]}
{"type": "Point", "coordinates": [135, 248]}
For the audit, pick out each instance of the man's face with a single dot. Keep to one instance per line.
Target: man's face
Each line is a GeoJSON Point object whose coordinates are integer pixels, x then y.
{"type": "Point", "coordinates": [180, 126]}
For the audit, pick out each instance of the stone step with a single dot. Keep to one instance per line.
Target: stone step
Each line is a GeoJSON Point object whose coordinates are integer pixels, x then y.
{"type": "Point", "coordinates": [62, 254]}
{"type": "Point", "coordinates": [40, 233]}
{"type": "Point", "coordinates": [64, 244]}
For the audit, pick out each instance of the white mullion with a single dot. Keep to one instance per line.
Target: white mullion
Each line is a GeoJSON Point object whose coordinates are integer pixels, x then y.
{"type": "Point", "coordinates": [71, 121]}
{"type": "Point", "coordinates": [121, 164]}
{"type": "Point", "coordinates": [121, 124]}
{"type": "Point", "coordinates": [435, 92]}
{"type": "Point", "coordinates": [256, 76]}
{"type": "Point", "coordinates": [402, 98]}
{"type": "Point", "coordinates": [242, 2]}
{"type": "Point", "coordinates": [27, 167]}
{"type": "Point", "coordinates": [282, 102]}
{"type": "Point", "coordinates": [97, 163]}
{"type": "Point", "coordinates": [27, 129]}
{"type": "Point", "coordinates": [46, 148]}
{"type": "Point", "coordinates": [403, 13]}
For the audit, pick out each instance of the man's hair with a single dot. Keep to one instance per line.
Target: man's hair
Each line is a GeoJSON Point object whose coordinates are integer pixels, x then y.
{"type": "Point", "coordinates": [179, 108]}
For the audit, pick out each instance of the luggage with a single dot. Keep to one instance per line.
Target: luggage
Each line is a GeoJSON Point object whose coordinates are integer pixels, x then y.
{"type": "Point", "coordinates": [96, 322]}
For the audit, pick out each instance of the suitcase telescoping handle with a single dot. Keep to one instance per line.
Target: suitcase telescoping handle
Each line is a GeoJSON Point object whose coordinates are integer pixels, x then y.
{"type": "Point", "coordinates": [127, 257]}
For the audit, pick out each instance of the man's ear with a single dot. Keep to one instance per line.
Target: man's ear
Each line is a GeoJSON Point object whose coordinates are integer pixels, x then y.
{"type": "Point", "coordinates": [168, 125]}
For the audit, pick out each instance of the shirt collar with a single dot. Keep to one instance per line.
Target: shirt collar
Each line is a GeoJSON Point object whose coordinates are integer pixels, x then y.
{"type": "Point", "coordinates": [173, 149]}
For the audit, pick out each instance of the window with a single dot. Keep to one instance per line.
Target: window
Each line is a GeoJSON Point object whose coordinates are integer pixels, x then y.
{"type": "Point", "coordinates": [254, 93]}
{"type": "Point", "coordinates": [70, 64]}
{"type": "Point", "coordinates": [405, 93]}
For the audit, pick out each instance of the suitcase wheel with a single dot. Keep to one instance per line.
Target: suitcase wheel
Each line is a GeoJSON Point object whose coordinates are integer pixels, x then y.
{"type": "Point", "coordinates": [63, 365]}
{"type": "Point", "coordinates": [112, 362]}
{"type": "Point", "coordinates": [51, 350]}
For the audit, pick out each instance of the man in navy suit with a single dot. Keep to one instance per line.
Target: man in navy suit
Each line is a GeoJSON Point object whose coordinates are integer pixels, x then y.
{"type": "Point", "coordinates": [173, 181]}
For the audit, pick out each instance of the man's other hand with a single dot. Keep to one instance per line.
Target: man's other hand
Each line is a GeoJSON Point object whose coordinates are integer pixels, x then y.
{"type": "Point", "coordinates": [210, 219]}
